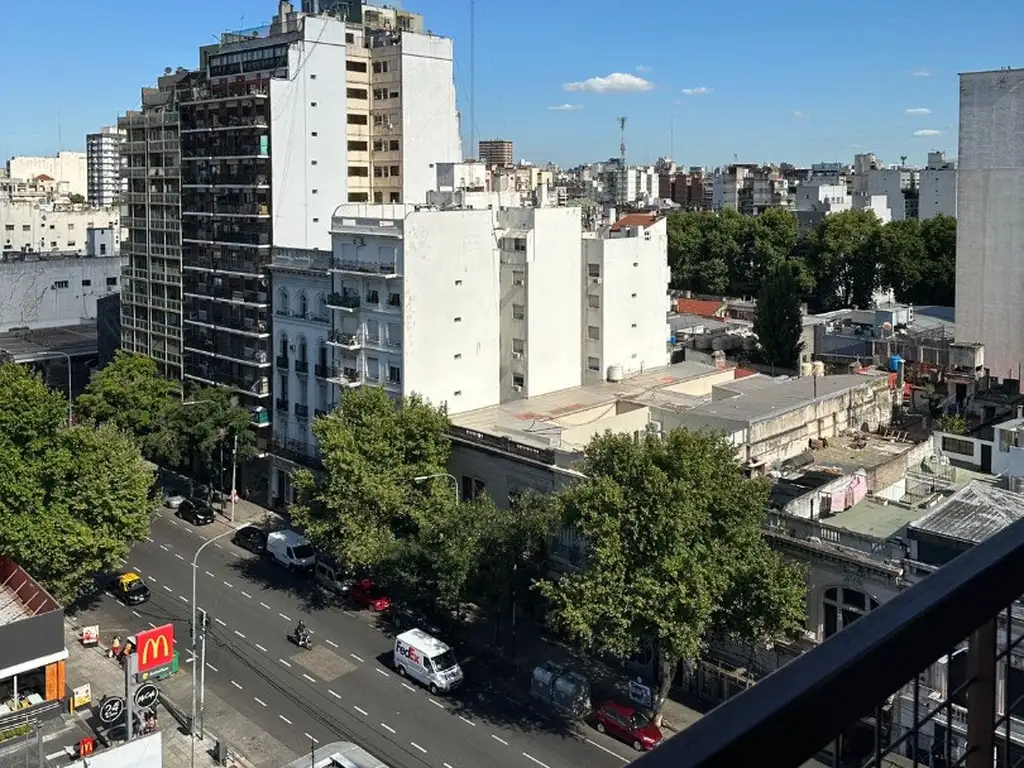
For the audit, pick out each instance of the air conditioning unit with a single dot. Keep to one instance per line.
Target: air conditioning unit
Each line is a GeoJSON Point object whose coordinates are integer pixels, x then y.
{"type": "Point", "coordinates": [517, 388]}
{"type": "Point", "coordinates": [517, 282]}
{"type": "Point", "coordinates": [517, 355]}
{"type": "Point", "coordinates": [595, 280]}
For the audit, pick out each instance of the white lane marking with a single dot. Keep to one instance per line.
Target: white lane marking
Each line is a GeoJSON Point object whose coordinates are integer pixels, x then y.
{"type": "Point", "coordinates": [283, 718]}
{"type": "Point", "coordinates": [55, 755]}
{"type": "Point", "coordinates": [356, 657]}
{"type": "Point", "coordinates": [447, 765]}
{"type": "Point", "coordinates": [136, 613]}
{"type": "Point", "coordinates": [218, 546]}
{"type": "Point", "coordinates": [236, 685]}
{"type": "Point", "coordinates": [152, 625]}
{"type": "Point", "coordinates": [188, 660]}
{"type": "Point", "coordinates": [466, 720]}
{"type": "Point", "coordinates": [180, 557]}
{"type": "Point", "coordinates": [183, 598]}
{"type": "Point", "coordinates": [408, 687]}
{"type": "Point", "coordinates": [246, 594]}
{"type": "Point", "coordinates": [284, 617]}
{"type": "Point", "coordinates": [149, 539]}
{"type": "Point", "coordinates": [311, 739]}
{"type": "Point", "coordinates": [151, 578]}
{"type": "Point", "coordinates": [331, 643]}
{"type": "Point", "coordinates": [172, 522]}
{"type": "Point", "coordinates": [421, 749]}
{"type": "Point", "coordinates": [260, 702]}
{"type": "Point", "coordinates": [533, 759]}
{"type": "Point", "coordinates": [605, 749]}
{"type": "Point", "coordinates": [349, 613]}
{"type": "Point", "coordinates": [499, 739]}
{"type": "Point", "coordinates": [285, 663]}
{"type": "Point", "coordinates": [228, 584]}
{"type": "Point", "coordinates": [110, 594]}
{"type": "Point", "coordinates": [361, 711]}
{"type": "Point", "coordinates": [136, 569]}
{"type": "Point", "coordinates": [261, 647]}
{"type": "Point", "coordinates": [388, 728]}
{"type": "Point", "coordinates": [335, 695]}
{"type": "Point", "coordinates": [212, 668]}
{"type": "Point", "coordinates": [165, 548]}
{"type": "Point", "coordinates": [166, 587]}
{"type": "Point", "coordinates": [220, 621]}
{"type": "Point", "coordinates": [208, 573]}
{"type": "Point", "coordinates": [382, 672]}
{"type": "Point", "coordinates": [265, 606]}
{"type": "Point", "coordinates": [240, 634]}
{"type": "Point", "coordinates": [311, 679]}
{"type": "Point", "coordinates": [436, 703]}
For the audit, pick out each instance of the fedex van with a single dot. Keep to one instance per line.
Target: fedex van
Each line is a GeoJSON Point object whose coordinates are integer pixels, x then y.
{"type": "Point", "coordinates": [426, 659]}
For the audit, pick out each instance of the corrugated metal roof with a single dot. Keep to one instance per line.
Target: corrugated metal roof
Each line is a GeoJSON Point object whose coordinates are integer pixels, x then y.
{"type": "Point", "coordinates": [973, 513]}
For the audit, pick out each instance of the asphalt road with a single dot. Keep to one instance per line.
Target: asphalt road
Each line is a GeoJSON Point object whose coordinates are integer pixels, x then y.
{"type": "Point", "coordinates": [345, 687]}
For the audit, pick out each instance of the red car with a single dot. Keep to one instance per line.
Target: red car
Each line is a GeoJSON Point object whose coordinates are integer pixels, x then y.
{"type": "Point", "coordinates": [367, 594]}
{"type": "Point", "coordinates": [629, 725]}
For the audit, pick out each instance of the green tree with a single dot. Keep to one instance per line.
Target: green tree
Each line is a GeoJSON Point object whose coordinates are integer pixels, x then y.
{"type": "Point", "coordinates": [771, 239]}
{"type": "Point", "coordinates": [76, 199]}
{"type": "Point", "coordinates": [675, 552]}
{"type": "Point", "coordinates": [939, 235]}
{"type": "Point", "coordinates": [902, 258]}
{"type": "Point", "coordinates": [705, 249]}
{"type": "Point", "coordinates": [72, 500]}
{"type": "Point", "coordinates": [367, 501]}
{"type": "Point", "coordinates": [954, 424]}
{"type": "Point", "coordinates": [779, 320]}
{"type": "Point", "coordinates": [845, 259]}
{"type": "Point", "coordinates": [204, 430]}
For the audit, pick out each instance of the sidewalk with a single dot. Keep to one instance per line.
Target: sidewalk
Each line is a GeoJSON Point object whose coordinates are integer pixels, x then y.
{"type": "Point", "coordinates": [105, 677]}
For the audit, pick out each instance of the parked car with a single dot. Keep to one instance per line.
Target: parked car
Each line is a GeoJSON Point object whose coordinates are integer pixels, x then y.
{"type": "Point", "coordinates": [130, 588]}
{"type": "Point", "coordinates": [173, 501]}
{"type": "Point", "coordinates": [367, 594]}
{"type": "Point", "coordinates": [292, 550]}
{"type": "Point", "coordinates": [630, 725]}
{"type": "Point", "coordinates": [250, 537]}
{"type": "Point", "coordinates": [408, 616]}
{"type": "Point", "coordinates": [332, 577]}
{"type": "Point", "coordinates": [196, 512]}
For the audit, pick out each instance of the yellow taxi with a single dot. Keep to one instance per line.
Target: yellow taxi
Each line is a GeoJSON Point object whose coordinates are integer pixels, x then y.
{"type": "Point", "coordinates": [130, 588]}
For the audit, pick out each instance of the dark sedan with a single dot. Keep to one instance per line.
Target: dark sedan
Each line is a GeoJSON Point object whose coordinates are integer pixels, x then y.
{"type": "Point", "coordinates": [252, 538]}
{"type": "Point", "coordinates": [195, 512]}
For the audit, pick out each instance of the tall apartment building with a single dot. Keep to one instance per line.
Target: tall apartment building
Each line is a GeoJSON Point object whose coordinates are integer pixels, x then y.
{"type": "Point", "coordinates": [151, 304]}
{"type": "Point", "coordinates": [69, 167]}
{"type": "Point", "coordinates": [990, 197]}
{"type": "Point", "coordinates": [496, 152]}
{"type": "Point", "coordinates": [937, 187]}
{"type": "Point", "coordinates": [103, 165]}
{"type": "Point", "coordinates": [279, 126]}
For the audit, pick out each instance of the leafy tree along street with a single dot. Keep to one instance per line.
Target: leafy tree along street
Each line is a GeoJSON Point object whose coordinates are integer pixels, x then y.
{"type": "Point", "coordinates": [779, 321]}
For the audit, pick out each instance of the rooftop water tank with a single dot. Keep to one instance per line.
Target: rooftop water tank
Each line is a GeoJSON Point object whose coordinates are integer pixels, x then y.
{"type": "Point", "coordinates": [614, 373]}
{"type": "Point", "coordinates": [894, 363]}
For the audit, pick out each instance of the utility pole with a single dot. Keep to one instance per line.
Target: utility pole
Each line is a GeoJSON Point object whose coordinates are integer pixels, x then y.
{"type": "Point", "coordinates": [203, 624]}
{"type": "Point", "coordinates": [234, 476]}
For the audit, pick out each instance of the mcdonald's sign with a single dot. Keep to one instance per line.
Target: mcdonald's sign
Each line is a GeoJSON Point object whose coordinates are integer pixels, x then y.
{"type": "Point", "coordinates": [155, 647]}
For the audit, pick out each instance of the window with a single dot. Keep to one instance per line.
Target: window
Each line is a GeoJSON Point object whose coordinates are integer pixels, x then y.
{"type": "Point", "coordinates": [314, 134]}
{"type": "Point", "coordinates": [316, 220]}
{"type": "Point", "coordinates": [394, 299]}
{"type": "Point", "coordinates": [393, 145]}
{"type": "Point", "coordinates": [457, 356]}
{"type": "Point", "coordinates": [518, 346]}
{"type": "Point", "coordinates": [843, 606]}
{"type": "Point", "coordinates": [357, 146]}
{"type": "Point", "coordinates": [379, 94]}
{"type": "Point", "coordinates": [457, 320]}
{"type": "Point", "coordinates": [356, 66]}
{"type": "Point", "coordinates": [312, 103]}
{"type": "Point", "coordinates": [71, 243]}
{"type": "Point", "coordinates": [26, 227]}
{"type": "Point", "coordinates": [957, 445]}
{"type": "Point", "coordinates": [393, 94]}
{"type": "Point", "coordinates": [312, 162]}
{"type": "Point", "coordinates": [86, 283]}
{"type": "Point", "coordinates": [355, 119]}
{"type": "Point", "coordinates": [71, 226]}
{"type": "Point", "coordinates": [632, 296]}
{"type": "Point", "coordinates": [518, 380]}
{"type": "Point", "coordinates": [111, 281]}
{"type": "Point", "coordinates": [513, 243]}
{"type": "Point", "coordinates": [593, 333]}
{"type": "Point", "coordinates": [636, 263]}
{"type": "Point", "coordinates": [356, 93]}
{"type": "Point", "coordinates": [53, 243]}
{"type": "Point", "coordinates": [350, 37]}
{"type": "Point", "coordinates": [372, 297]}
{"type": "Point", "coordinates": [303, 308]}
{"type": "Point", "coordinates": [633, 325]}
{"type": "Point", "coordinates": [395, 197]}
{"type": "Point", "coordinates": [518, 277]}
{"type": "Point", "coordinates": [314, 191]}
{"type": "Point", "coordinates": [378, 197]}
{"type": "Point", "coordinates": [9, 227]}
{"type": "Point", "coordinates": [593, 364]}
{"type": "Point", "coordinates": [378, 145]}
{"type": "Point", "coordinates": [471, 488]}
{"type": "Point", "coordinates": [60, 284]}
{"type": "Point", "coordinates": [518, 312]}
{"type": "Point", "coordinates": [282, 346]}
{"type": "Point", "coordinates": [395, 170]}
{"type": "Point", "coordinates": [394, 374]}
{"type": "Point", "coordinates": [103, 249]}
{"type": "Point", "coordinates": [458, 282]}
{"type": "Point", "coordinates": [358, 197]}
{"type": "Point", "coordinates": [379, 67]}
{"type": "Point", "coordinates": [361, 171]}
{"type": "Point", "coordinates": [312, 77]}
{"type": "Point", "coordinates": [593, 270]}
{"type": "Point", "coordinates": [457, 393]}
{"type": "Point", "coordinates": [594, 301]}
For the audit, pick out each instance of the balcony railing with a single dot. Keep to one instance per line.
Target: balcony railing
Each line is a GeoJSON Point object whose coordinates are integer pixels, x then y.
{"type": "Point", "coordinates": [296, 450]}
{"type": "Point", "coordinates": [875, 675]}
{"type": "Point", "coordinates": [364, 267]}
{"type": "Point", "coordinates": [342, 301]}
{"type": "Point", "coordinates": [346, 340]}
{"type": "Point", "coordinates": [221, 91]}
{"type": "Point", "coordinates": [302, 367]}
{"type": "Point", "coordinates": [301, 411]}
{"type": "Point", "coordinates": [326, 371]}
{"type": "Point", "coordinates": [282, 362]}
{"type": "Point", "coordinates": [196, 178]}
{"type": "Point", "coordinates": [199, 207]}
{"type": "Point", "coordinates": [281, 404]}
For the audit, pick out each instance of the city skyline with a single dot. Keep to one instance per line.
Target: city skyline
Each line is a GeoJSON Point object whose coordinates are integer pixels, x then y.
{"type": "Point", "coordinates": [689, 100]}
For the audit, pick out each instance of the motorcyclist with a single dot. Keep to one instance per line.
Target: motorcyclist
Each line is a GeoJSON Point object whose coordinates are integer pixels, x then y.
{"type": "Point", "coordinates": [301, 633]}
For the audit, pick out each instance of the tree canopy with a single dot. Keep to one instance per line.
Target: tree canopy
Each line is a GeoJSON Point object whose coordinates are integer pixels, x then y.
{"type": "Point", "coordinates": [779, 320]}
{"type": "Point", "coordinates": [73, 500]}
{"type": "Point", "coordinates": [674, 553]}
{"type": "Point", "coordinates": [838, 263]}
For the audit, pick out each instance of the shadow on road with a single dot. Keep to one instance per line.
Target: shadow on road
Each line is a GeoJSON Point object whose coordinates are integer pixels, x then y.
{"type": "Point", "coordinates": [262, 573]}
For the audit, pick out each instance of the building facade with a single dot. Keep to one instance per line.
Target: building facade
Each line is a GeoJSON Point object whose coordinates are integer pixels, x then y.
{"type": "Point", "coordinates": [68, 167]}
{"type": "Point", "coordinates": [496, 152]}
{"type": "Point", "coordinates": [50, 228]}
{"type": "Point", "coordinates": [990, 193]}
{"type": "Point", "coordinates": [937, 187]}
{"type": "Point", "coordinates": [103, 166]}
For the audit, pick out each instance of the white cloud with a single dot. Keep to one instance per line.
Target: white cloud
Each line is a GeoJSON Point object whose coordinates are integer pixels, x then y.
{"type": "Point", "coordinates": [616, 82]}
{"type": "Point", "coordinates": [922, 73]}
{"type": "Point", "coordinates": [799, 114]}
{"type": "Point", "coordinates": [566, 108]}
{"type": "Point", "coordinates": [699, 91]}
{"type": "Point", "coordinates": [915, 111]}
{"type": "Point", "coordinates": [644, 68]}
{"type": "Point", "coordinates": [925, 132]}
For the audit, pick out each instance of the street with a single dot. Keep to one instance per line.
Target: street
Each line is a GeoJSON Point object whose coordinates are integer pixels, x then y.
{"type": "Point", "coordinates": [345, 687]}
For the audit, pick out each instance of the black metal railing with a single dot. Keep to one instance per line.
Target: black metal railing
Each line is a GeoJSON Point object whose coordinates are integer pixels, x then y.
{"type": "Point", "coordinates": [282, 362]}
{"type": "Point", "coordinates": [301, 411]}
{"type": "Point", "coordinates": [880, 674]}
{"type": "Point", "coordinates": [281, 404]}
{"type": "Point", "coordinates": [302, 366]}
{"type": "Point", "coordinates": [325, 371]}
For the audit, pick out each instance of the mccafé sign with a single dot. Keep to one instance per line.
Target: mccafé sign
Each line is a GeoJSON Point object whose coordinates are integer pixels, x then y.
{"type": "Point", "coordinates": [155, 647]}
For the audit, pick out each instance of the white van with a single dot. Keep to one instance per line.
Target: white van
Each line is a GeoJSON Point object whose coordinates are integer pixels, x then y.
{"type": "Point", "coordinates": [426, 659]}
{"type": "Point", "coordinates": [291, 550]}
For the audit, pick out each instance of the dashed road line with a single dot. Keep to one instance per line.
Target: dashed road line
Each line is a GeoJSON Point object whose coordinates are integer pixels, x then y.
{"type": "Point", "coordinates": [382, 672]}
{"type": "Point", "coordinates": [151, 578]}
{"type": "Point", "coordinates": [285, 719]}
{"type": "Point", "coordinates": [357, 658]}
{"type": "Point", "coordinates": [152, 625]}
{"type": "Point", "coordinates": [210, 574]}
{"type": "Point", "coordinates": [349, 613]}
{"type": "Point", "coordinates": [534, 760]}
{"type": "Point", "coordinates": [361, 711]}
{"type": "Point", "coordinates": [136, 569]}
{"type": "Point", "coordinates": [311, 738]}
{"type": "Point", "coordinates": [260, 647]}
{"type": "Point", "coordinates": [408, 687]}
{"type": "Point", "coordinates": [137, 614]}
{"type": "Point", "coordinates": [212, 668]}
{"type": "Point", "coordinates": [218, 546]}
{"type": "Point", "coordinates": [388, 728]}
{"type": "Point", "coordinates": [180, 557]}
{"type": "Point", "coordinates": [260, 702]}
{"type": "Point", "coordinates": [499, 739]}
{"type": "Point", "coordinates": [265, 606]}
{"type": "Point", "coordinates": [605, 749]}
{"type": "Point", "coordinates": [331, 643]}
{"type": "Point", "coordinates": [311, 679]}
{"type": "Point", "coordinates": [421, 749]}
{"type": "Point", "coordinates": [335, 695]}
{"type": "Point", "coordinates": [183, 598]}
{"type": "Point", "coordinates": [284, 617]}
{"type": "Point", "coordinates": [447, 765]}
{"type": "Point", "coordinates": [220, 621]}
{"type": "Point", "coordinates": [173, 522]}
{"type": "Point", "coordinates": [236, 685]}
{"type": "Point", "coordinates": [436, 703]}
{"type": "Point", "coordinates": [165, 548]}
{"type": "Point", "coordinates": [246, 594]}
{"type": "Point", "coordinates": [240, 634]}
{"type": "Point", "coordinates": [285, 663]}
{"type": "Point", "coordinates": [110, 595]}
{"type": "Point", "coordinates": [467, 721]}
{"type": "Point", "coordinates": [149, 539]}
{"type": "Point", "coordinates": [229, 585]}
{"type": "Point", "coordinates": [167, 588]}
{"type": "Point", "coordinates": [55, 755]}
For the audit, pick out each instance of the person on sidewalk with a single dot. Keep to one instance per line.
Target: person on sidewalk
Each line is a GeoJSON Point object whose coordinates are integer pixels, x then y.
{"type": "Point", "coordinates": [115, 647]}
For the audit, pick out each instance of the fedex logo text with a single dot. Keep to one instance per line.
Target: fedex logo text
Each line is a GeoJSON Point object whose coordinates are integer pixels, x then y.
{"type": "Point", "coordinates": [409, 652]}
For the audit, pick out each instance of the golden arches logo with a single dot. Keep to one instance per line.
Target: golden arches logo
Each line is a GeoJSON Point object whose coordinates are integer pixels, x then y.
{"type": "Point", "coordinates": [155, 647]}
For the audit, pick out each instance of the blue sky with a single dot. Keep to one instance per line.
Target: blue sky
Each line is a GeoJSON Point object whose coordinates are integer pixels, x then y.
{"type": "Point", "coordinates": [802, 81]}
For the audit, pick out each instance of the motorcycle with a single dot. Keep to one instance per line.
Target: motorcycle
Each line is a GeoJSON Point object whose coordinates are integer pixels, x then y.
{"type": "Point", "coordinates": [302, 640]}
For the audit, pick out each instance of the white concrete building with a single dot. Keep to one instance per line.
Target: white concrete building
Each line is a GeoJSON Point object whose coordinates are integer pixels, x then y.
{"type": "Point", "coordinates": [937, 191]}
{"type": "Point", "coordinates": [893, 183]}
{"type": "Point", "coordinates": [103, 165]}
{"type": "Point", "coordinates": [990, 197]}
{"type": "Point", "coordinates": [816, 200]}
{"type": "Point", "coordinates": [27, 227]}
{"type": "Point", "coordinates": [625, 298]}
{"type": "Point", "coordinates": [64, 166]}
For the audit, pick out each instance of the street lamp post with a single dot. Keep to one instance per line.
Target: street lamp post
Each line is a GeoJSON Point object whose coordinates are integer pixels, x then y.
{"type": "Point", "coordinates": [455, 483]}
{"type": "Point", "coordinates": [195, 658]}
